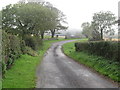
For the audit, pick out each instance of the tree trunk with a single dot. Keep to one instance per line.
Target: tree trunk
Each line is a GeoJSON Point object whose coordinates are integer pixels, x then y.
{"type": "Point", "coordinates": [53, 33]}
{"type": "Point", "coordinates": [101, 34]}
{"type": "Point", "coordinates": [42, 35]}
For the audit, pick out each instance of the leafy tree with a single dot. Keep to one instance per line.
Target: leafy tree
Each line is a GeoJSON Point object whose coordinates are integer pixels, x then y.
{"type": "Point", "coordinates": [86, 29]}
{"type": "Point", "coordinates": [30, 18]}
{"type": "Point", "coordinates": [58, 27]}
{"type": "Point", "coordinates": [103, 22]}
{"type": "Point", "coordinates": [39, 18]}
{"type": "Point", "coordinates": [8, 18]}
{"type": "Point", "coordinates": [95, 35]}
{"type": "Point", "coordinates": [61, 18]}
{"type": "Point", "coordinates": [89, 30]}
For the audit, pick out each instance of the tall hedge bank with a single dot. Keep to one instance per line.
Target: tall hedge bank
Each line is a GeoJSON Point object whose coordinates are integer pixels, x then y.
{"type": "Point", "coordinates": [107, 49]}
{"type": "Point", "coordinates": [12, 48]}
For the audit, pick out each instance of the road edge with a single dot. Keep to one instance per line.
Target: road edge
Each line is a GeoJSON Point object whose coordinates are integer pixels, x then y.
{"type": "Point", "coordinates": [91, 69]}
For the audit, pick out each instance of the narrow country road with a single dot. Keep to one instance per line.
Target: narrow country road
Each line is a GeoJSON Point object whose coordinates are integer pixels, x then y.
{"type": "Point", "coordinates": [59, 71]}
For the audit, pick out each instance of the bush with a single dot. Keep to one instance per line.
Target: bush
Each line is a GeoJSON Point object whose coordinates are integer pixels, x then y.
{"type": "Point", "coordinates": [23, 46]}
{"type": "Point", "coordinates": [106, 49]}
{"type": "Point", "coordinates": [10, 49]}
{"type": "Point", "coordinates": [33, 42]}
{"type": "Point", "coordinates": [13, 47]}
{"type": "Point", "coordinates": [30, 51]}
{"type": "Point", "coordinates": [3, 67]}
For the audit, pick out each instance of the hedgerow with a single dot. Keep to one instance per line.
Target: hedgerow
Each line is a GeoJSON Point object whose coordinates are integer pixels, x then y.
{"type": "Point", "coordinates": [107, 67]}
{"type": "Point", "coordinates": [107, 49]}
{"type": "Point", "coordinates": [11, 50]}
{"type": "Point", "coordinates": [33, 42]}
{"type": "Point", "coordinates": [13, 47]}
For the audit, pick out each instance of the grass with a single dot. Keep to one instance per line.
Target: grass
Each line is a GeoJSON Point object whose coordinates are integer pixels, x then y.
{"type": "Point", "coordinates": [0, 84]}
{"type": "Point", "coordinates": [23, 72]}
{"type": "Point", "coordinates": [104, 66]}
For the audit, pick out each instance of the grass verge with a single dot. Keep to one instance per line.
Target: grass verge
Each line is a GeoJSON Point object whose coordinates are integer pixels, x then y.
{"type": "Point", "coordinates": [104, 66]}
{"type": "Point", "coordinates": [23, 72]}
{"type": "Point", "coordinates": [0, 84]}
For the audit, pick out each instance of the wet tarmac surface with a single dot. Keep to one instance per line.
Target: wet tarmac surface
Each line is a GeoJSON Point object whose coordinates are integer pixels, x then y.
{"type": "Point", "coordinates": [59, 71]}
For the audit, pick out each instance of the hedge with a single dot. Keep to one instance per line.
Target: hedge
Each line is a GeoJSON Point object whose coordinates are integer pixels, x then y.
{"type": "Point", "coordinates": [107, 49]}
{"type": "Point", "coordinates": [11, 50]}
{"type": "Point", "coordinates": [33, 42]}
{"type": "Point", "coordinates": [13, 47]}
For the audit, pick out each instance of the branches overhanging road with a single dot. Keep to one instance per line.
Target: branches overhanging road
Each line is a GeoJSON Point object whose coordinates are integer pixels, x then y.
{"type": "Point", "coordinates": [59, 71]}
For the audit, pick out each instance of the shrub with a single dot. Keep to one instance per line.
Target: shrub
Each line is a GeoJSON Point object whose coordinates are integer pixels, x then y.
{"type": "Point", "coordinates": [33, 42]}
{"type": "Point", "coordinates": [22, 45]}
{"type": "Point", "coordinates": [13, 47]}
{"type": "Point", "coordinates": [10, 49]}
{"type": "Point", "coordinates": [106, 49]}
{"type": "Point", "coordinates": [3, 67]}
{"type": "Point", "coordinates": [30, 51]}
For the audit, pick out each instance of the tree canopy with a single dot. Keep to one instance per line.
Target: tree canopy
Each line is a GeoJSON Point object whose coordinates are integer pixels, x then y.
{"type": "Point", "coordinates": [102, 23]}
{"type": "Point", "coordinates": [86, 29]}
{"type": "Point", "coordinates": [30, 18]}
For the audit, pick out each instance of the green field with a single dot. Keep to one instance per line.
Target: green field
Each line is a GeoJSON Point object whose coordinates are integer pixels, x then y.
{"type": "Point", "coordinates": [23, 72]}
{"type": "Point", "coordinates": [104, 66]}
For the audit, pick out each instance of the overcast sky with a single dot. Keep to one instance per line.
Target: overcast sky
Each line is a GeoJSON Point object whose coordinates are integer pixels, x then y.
{"type": "Point", "coordinates": [78, 11]}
